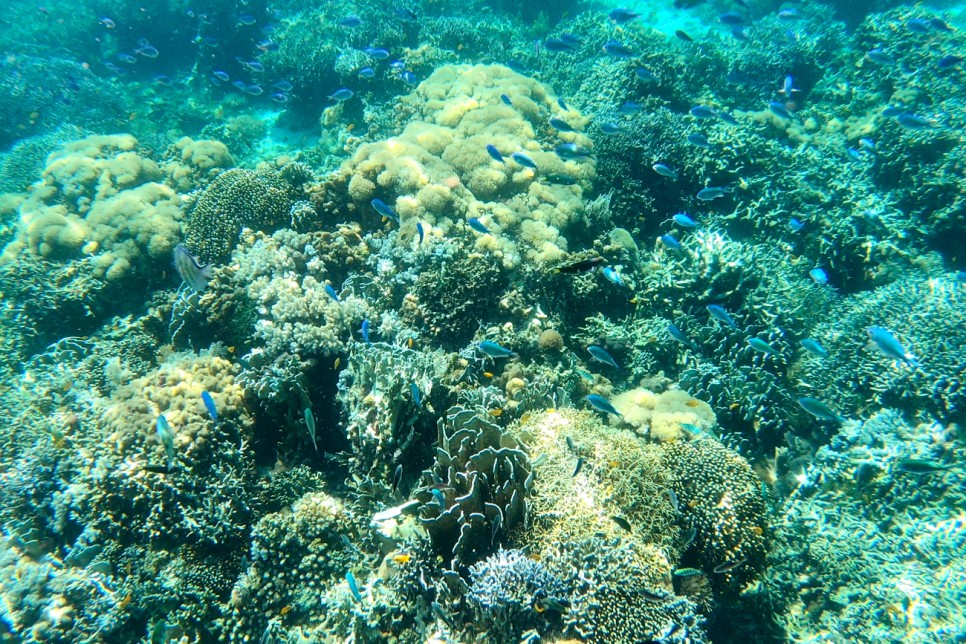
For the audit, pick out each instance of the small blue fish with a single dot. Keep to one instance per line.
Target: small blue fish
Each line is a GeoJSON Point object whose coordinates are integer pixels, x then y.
{"type": "Point", "coordinates": [524, 159]}
{"type": "Point", "coordinates": [819, 409]}
{"type": "Point", "coordinates": [646, 75]}
{"type": "Point", "coordinates": [220, 75]}
{"type": "Point", "coordinates": [779, 110]}
{"type": "Point", "coordinates": [572, 151]}
{"type": "Point", "coordinates": [408, 77]}
{"type": "Point", "coordinates": [353, 586]}
{"type": "Point", "coordinates": [494, 350]}
{"type": "Point", "coordinates": [364, 331]}
{"type": "Point", "coordinates": [384, 209]}
{"type": "Point", "coordinates": [683, 220]}
{"type": "Point", "coordinates": [494, 153]}
{"type": "Point", "coordinates": [611, 128]}
{"type": "Point", "coordinates": [477, 225]}
{"type": "Point", "coordinates": [960, 277]}
{"type": "Point", "coordinates": [813, 347]}
{"type": "Point", "coordinates": [253, 90]}
{"type": "Point", "coordinates": [948, 62]}
{"type": "Point", "coordinates": [558, 45]}
{"type": "Point", "coordinates": [819, 276]}
{"type": "Point", "coordinates": [892, 111]}
{"type": "Point", "coordinates": [630, 108]}
{"type": "Point", "coordinates": [600, 354]}
{"type": "Point", "coordinates": [727, 118]}
{"type": "Point", "coordinates": [703, 112]}
{"type": "Point", "coordinates": [620, 15]}
{"type": "Point", "coordinates": [797, 225]}
{"type": "Point", "coordinates": [506, 100]}
{"type": "Point", "coordinates": [612, 276]}
{"type": "Point", "coordinates": [573, 39]}
{"type": "Point", "coordinates": [279, 97]}
{"type": "Point", "coordinates": [617, 50]}
{"type": "Point", "coordinates": [577, 468]}
{"type": "Point", "coordinates": [283, 86]}
{"type": "Point", "coordinates": [602, 404]}
{"type": "Point", "coordinates": [210, 405]}
{"type": "Point", "coordinates": [731, 18]}
{"type": "Point", "coordinates": [562, 104]}
{"type": "Point", "coordinates": [760, 345]}
{"type": "Point", "coordinates": [341, 95]}
{"type": "Point", "coordinates": [421, 231]}
{"type": "Point", "coordinates": [350, 21]}
{"type": "Point", "coordinates": [417, 396]}
{"type": "Point", "coordinates": [888, 344]}
{"type": "Point", "coordinates": [664, 171]}
{"type": "Point", "coordinates": [709, 194]}
{"type": "Point", "coordinates": [718, 313]}
{"type": "Point", "coordinates": [788, 87]}
{"type": "Point", "coordinates": [332, 293]}
{"type": "Point", "coordinates": [367, 72]}
{"type": "Point", "coordinates": [561, 125]}
{"type": "Point", "coordinates": [868, 145]}
{"type": "Point", "coordinates": [912, 121]}
{"type": "Point", "coordinates": [677, 334]}
{"type": "Point", "coordinates": [699, 140]}
{"type": "Point", "coordinates": [378, 54]}
{"type": "Point", "coordinates": [669, 242]}
{"type": "Point", "coordinates": [440, 499]}
{"type": "Point", "coordinates": [879, 55]}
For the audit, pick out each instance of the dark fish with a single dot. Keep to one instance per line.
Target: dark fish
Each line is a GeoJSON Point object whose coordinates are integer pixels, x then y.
{"type": "Point", "coordinates": [571, 38]}
{"type": "Point", "coordinates": [611, 128]}
{"type": "Point", "coordinates": [524, 159]}
{"type": "Point", "coordinates": [157, 469]}
{"type": "Point", "coordinates": [677, 334]}
{"type": "Point", "coordinates": [617, 50]}
{"type": "Point", "coordinates": [570, 443]}
{"type": "Point", "coordinates": [699, 140]}
{"type": "Point", "coordinates": [562, 105]}
{"type": "Point", "coordinates": [778, 109]}
{"type": "Point", "coordinates": [494, 153]}
{"type": "Point", "coordinates": [728, 566]}
{"type": "Point", "coordinates": [718, 313]}
{"type": "Point", "coordinates": [397, 477]}
{"type": "Point", "coordinates": [702, 112]}
{"type": "Point", "coordinates": [192, 272]}
{"type": "Point", "coordinates": [350, 21]}
{"type": "Point", "coordinates": [646, 75]}
{"type": "Point", "coordinates": [210, 405]}
{"type": "Point", "coordinates": [727, 118]}
{"type": "Point", "coordinates": [494, 350]}
{"type": "Point", "coordinates": [384, 209]}
{"type": "Point", "coordinates": [738, 33]}
{"type": "Point", "coordinates": [683, 36]}
{"type": "Point", "coordinates": [600, 354]}
{"type": "Point", "coordinates": [940, 24]}
{"type": "Point", "coordinates": [651, 596]}
{"type": "Point", "coordinates": [920, 466]}
{"type": "Point", "coordinates": [561, 125]}
{"type": "Point", "coordinates": [581, 266]}
{"type": "Point", "coordinates": [580, 464]}
{"type": "Point", "coordinates": [562, 179]}
{"type": "Point", "coordinates": [621, 15]}
{"type": "Point", "coordinates": [477, 225]}
{"type": "Point", "coordinates": [622, 522]}
{"type": "Point", "coordinates": [506, 100]}
{"type": "Point", "coordinates": [602, 404]}
{"type": "Point", "coordinates": [421, 231]}
{"type": "Point", "coordinates": [918, 25]}
{"type": "Point", "coordinates": [558, 45]}
{"type": "Point", "coordinates": [731, 18]}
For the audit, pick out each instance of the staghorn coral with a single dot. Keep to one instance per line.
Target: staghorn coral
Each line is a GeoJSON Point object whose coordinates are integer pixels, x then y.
{"type": "Point", "coordinates": [720, 498]}
{"type": "Point", "coordinates": [476, 491]}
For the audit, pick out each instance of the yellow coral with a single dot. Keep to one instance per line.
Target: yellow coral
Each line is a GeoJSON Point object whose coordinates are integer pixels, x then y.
{"type": "Point", "coordinates": [663, 414]}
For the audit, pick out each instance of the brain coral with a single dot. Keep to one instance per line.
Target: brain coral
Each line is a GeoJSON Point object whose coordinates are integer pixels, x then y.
{"type": "Point", "coordinates": [438, 170]}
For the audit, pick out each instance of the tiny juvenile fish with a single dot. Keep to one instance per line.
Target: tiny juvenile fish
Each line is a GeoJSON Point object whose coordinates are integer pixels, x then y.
{"type": "Point", "coordinates": [506, 100]}
{"type": "Point", "coordinates": [602, 404]}
{"type": "Point", "coordinates": [580, 266]}
{"type": "Point", "coordinates": [384, 209]}
{"type": "Point", "coordinates": [310, 425]}
{"type": "Point", "coordinates": [210, 405]}
{"type": "Point", "coordinates": [477, 225]}
{"type": "Point", "coordinates": [813, 347]}
{"type": "Point", "coordinates": [612, 276]}
{"type": "Point", "coordinates": [819, 409]}
{"type": "Point", "coordinates": [524, 159]}
{"type": "Point", "coordinates": [718, 313]}
{"type": "Point", "coordinates": [494, 350]}
{"type": "Point", "coordinates": [888, 344]}
{"type": "Point", "coordinates": [600, 355]}
{"type": "Point", "coordinates": [760, 345]}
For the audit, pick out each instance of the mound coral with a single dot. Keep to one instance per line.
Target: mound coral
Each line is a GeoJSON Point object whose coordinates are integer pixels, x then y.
{"type": "Point", "coordinates": [438, 170]}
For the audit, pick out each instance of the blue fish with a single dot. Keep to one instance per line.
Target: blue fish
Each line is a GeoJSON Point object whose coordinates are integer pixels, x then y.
{"type": "Point", "coordinates": [709, 194]}
{"type": "Point", "coordinates": [888, 344]}
{"type": "Point", "coordinates": [367, 72]}
{"type": "Point", "coordinates": [572, 151]}
{"type": "Point", "coordinates": [912, 121]}
{"type": "Point", "coordinates": [283, 86]}
{"type": "Point", "coordinates": [220, 75]}
{"type": "Point", "coordinates": [699, 140]}
{"type": "Point", "coordinates": [630, 108]}
{"type": "Point", "coordinates": [960, 277]}
{"type": "Point", "coordinates": [718, 313]}
{"type": "Point", "coordinates": [331, 293]}
{"type": "Point", "coordinates": [421, 231]}
{"type": "Point", "coordinates": [364, 331]}
{"type": "Point", "coordinates": [562, 104]}
{"type": "Point", "coordinates": [760, 345]}
{"type": "Point", "coordinates": [819, 409]}
{"type": "Point", "coordinates": [341, 95]}
{"type": "Point", "coordinates": [494, 153]}
{"type": "Point", "coordinates": [494, 350]}
{"type": "Point", "coordinates": [819, 276]}
{"type": "Point", "coordinates": [879, 55]}
{"type": "Point", "coordinates": [378, 54]}
{"type": "Point", "coordinates": [620, 15]}
{"type": "Point", "coordinates": [440, 499]}
{"type": "Point", "coordinates": [600, 354]}
{"type": "Point", "coordinates": [892, 111]}
{"type": "Point", "coordinates": [677, 334]}
{"type": "Point", "coordinates": [813, 347]}
{"type": "Point", "coordinates": [573, 39]}
{"type": "Point", "coordinates": [617, 50]}
{"type": "Point", "coordinates": [702, 112]}
{"type": "Point", "coordinates": [611, 128]}
{"type": "Point", "coordinates": [797, 225]}
{"type": "Point", "coordinates": [602, 404]}
{"type": "Point", "coordinates": [524, 159]}
{"type": "Point", "coordinates": [612, 276]}
{"type": "Point", "coordinates": [727, 118]}
{"type": "Point", "coordinates": [559, 44]}
{"type": "Point", "coordinates": [210, 405]}
{"type": "Point", "coordinates": [384, 209]}
{"type": "Point", "coordinates": [353, 586]}
{"type": "Point", "coordinates": [684, 221]}
{"type": "Point", "coordinates": [664, 170]}
{"type": "Point", "coordinates": [948, 62]}
{"type": "Point", "coordinates": [671, 243]}
{"type": "Point", "coordinates": [417, 396]}
{"type": "Point", "coordinates": [477, 225]}
{"type": "Point", "coordinates": [779, 110]}
{"type": "Point", "coordinates": [350, 21]}
{"type": "Point", "coordinates": [561, 125]}
{"type": "Point", "coordinates": [646, 75]}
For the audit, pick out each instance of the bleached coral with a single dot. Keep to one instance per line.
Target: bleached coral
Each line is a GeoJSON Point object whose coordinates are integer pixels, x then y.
{"type": "Point", "coordinates": [662, 415]}
{"type": "Point", "coordinates": [438, 170]}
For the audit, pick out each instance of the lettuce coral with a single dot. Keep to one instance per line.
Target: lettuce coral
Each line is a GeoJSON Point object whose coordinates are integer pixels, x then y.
{"type": "Point", "coordinates": [438, 170]}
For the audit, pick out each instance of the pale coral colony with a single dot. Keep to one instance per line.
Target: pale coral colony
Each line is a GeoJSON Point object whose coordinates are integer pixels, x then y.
{"type": "Point", "coordinates": [482, 321]}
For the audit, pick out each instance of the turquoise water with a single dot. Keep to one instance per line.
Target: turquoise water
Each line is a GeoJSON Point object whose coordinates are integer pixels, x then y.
{"type": "Point", "coordinates": [482, 321]}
